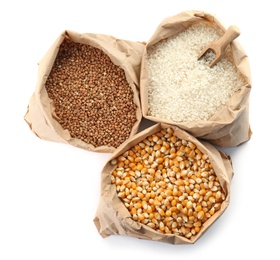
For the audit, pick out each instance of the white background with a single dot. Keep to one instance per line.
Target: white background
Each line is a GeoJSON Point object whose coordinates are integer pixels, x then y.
{"type": "Point", "coordinates": [49, 192]}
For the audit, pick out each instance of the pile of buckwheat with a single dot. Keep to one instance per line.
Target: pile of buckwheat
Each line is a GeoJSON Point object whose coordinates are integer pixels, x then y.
{"type": "Point", "coordinates": [91, 95]}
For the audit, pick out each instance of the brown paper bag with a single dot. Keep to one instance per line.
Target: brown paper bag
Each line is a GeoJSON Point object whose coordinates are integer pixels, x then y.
{"type": "Point", "coordinates": [230, 125]}
{"type": "Point", "coordinates": [113, 218]}
{"type": "Point", "coordinates": [40, 114]}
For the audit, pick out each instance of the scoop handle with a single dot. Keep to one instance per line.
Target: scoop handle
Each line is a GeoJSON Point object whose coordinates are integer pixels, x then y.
{"type": "Point", "coordinates": [231, 33]}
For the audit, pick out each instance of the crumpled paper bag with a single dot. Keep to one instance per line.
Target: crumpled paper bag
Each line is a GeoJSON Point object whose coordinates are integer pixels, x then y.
{"type": "Point", "coordinates": [113, 218]}
{"type": "Point", "coordinates": [230, 125]}
{"type": "Point", "coordinates": [40, 115]}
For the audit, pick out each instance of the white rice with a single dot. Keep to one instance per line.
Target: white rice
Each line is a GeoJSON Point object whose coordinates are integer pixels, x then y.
{"type": "Point", "coordinates": [182, 88]}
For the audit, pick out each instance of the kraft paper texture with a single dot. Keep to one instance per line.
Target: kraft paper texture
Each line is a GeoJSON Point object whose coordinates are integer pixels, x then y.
{"type": "Point", "coordinates": [112, 217]}
{"type": "Point", "coordinates": [40, 115]}
{"type": "Point", "coordinates": [230, 125]}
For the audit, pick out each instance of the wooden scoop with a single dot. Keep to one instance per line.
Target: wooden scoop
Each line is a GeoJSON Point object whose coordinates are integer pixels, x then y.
{"type": "Point", "coordinates": [219, 46]}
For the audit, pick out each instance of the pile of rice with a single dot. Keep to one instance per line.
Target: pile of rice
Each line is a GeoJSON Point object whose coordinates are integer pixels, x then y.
{"type": "Point", "coordinates": [182, 88]}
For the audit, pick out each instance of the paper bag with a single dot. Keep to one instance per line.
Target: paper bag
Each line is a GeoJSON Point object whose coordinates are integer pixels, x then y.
{"type": "Point", "coordinates": [229, 126]}
{"type": "Point", "coordinates": [112, 216]}
{"type": "Point", "coordinates": [40, 115]}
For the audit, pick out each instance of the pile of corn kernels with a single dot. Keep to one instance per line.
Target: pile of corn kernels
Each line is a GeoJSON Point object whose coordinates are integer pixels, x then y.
{"type": "Point", "coordinates": [168, 184]}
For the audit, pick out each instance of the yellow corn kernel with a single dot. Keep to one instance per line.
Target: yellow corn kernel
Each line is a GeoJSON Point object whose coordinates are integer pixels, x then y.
{"type": "Point", "coordinates": [168, 213]}
{"type": "Point", "coordinates": [198, 208]}
{"type": "Point", "coordinates": [173, 139]}
{"type": "Point", "coordinates": [200, 214]}
{"type": "Point", "coordinates": [138, 205]}
{"type": "Point", "coordinates": [173, 202]}
{"type": "Point", "coordinates": [157, 216]}
{"type": "Point", "coordinates": [141, 217]}
{"type": "Point", "coordinates": [189, 205]}
{"type": "Point", "coordinates": [161, 212]}
{"type": "Point", "coordinates": [218, 195]}
{"type": "Point", "coordinates": [156, 203]}
{"type": "Point", "coordinates": [212, 211]}
{"type": "Point", "coordinates": [151, 225]}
